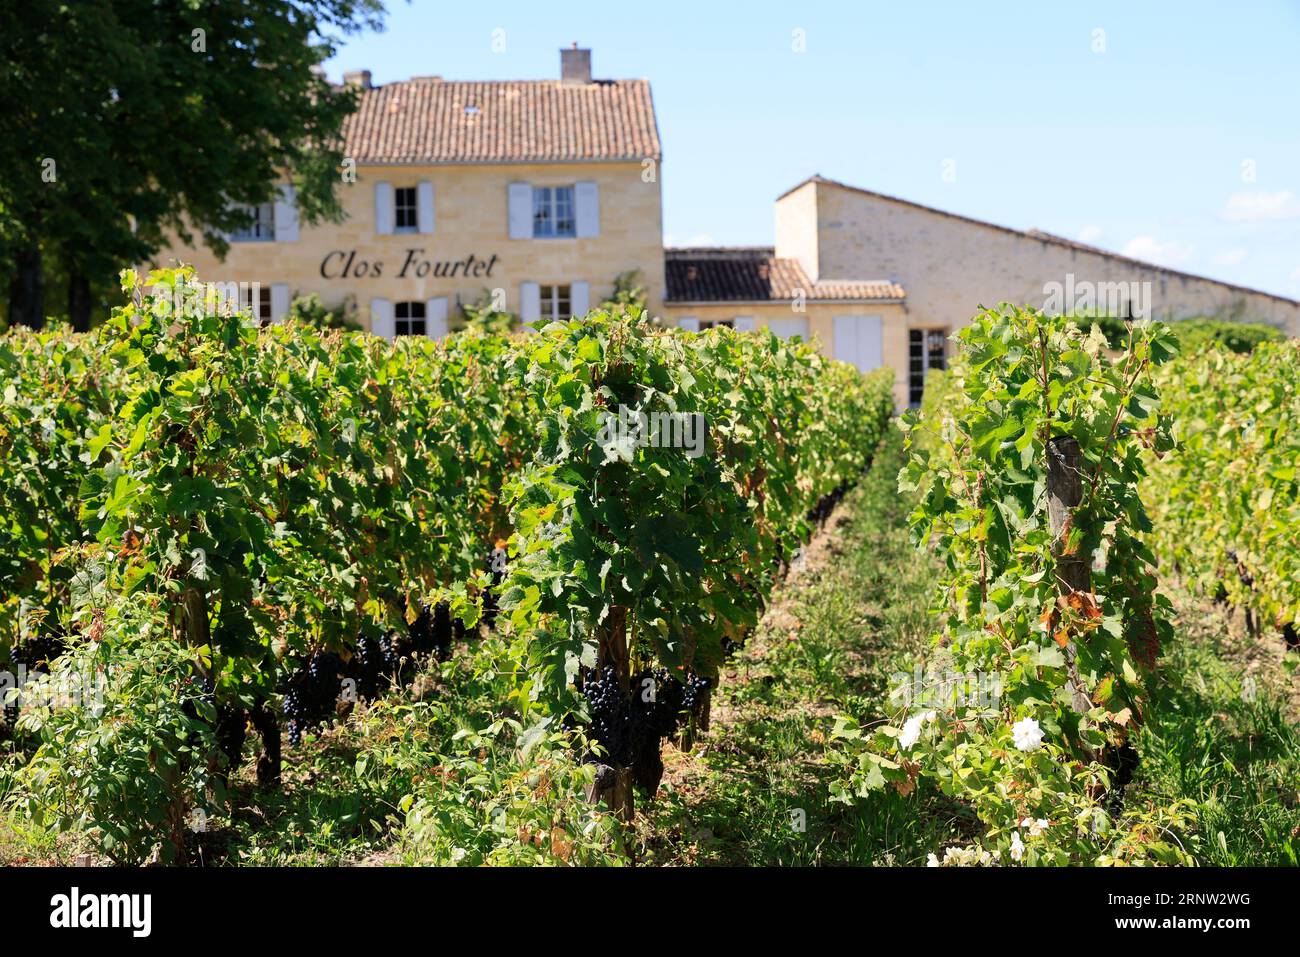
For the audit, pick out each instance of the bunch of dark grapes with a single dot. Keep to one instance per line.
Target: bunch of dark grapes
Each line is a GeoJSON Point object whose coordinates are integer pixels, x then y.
{"type": "Point", "coordinates": [496, 574]}
{"type": "Point", "coordinates": [419, 634]}
{"type": "Point", "coordinates": [607, 708]}
{"type": "Point", "coordinates": [630, 726]}
{"type": "Point", "coordinates": [34, 656]}
{"type": "Point", "coordinates": [662, 714]}
{"type": "Point", "coordinates": [232, 725]}
{"type": "Point", "coordinates": [693, 694]}
{"type": "Point", "coordinates": [313, 694]}
{"type": "Point", "coordinates": [431, 632]}
{"type": "Point", "coordinates": [37, 653]}
{"type": "Point", "coordinates": [442, 631]}
{"type": "Point", "coordinates": [374, 664]}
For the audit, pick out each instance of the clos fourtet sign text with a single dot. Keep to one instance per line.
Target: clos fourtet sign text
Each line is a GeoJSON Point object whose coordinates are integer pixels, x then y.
{"type": "Point", "coordinates": [345, 264]}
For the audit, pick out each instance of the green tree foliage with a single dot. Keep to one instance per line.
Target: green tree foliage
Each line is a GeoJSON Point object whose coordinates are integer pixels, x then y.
{"type": "Point", "coordinates": [126, 120]}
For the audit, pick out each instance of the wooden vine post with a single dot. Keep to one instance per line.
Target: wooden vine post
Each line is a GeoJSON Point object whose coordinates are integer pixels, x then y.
{"type": "Point", "coordinates": [613, 783]}
{"type": "Point", "coordinates": [1064, 494]}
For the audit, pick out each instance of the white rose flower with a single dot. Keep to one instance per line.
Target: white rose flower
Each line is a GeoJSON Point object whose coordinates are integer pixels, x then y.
{"type": "Point", "coordinates": [932, 861]}
{"type": "Point", "coordinates": [911, 732]}
{"type": "Point", "coordinates": [1017, 848]}
{"type": "Point", "coordinates": [1027, 734]}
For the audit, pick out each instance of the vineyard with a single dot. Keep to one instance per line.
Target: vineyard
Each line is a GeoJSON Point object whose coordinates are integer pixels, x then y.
{"type": "Point", "coordinates": [609, 592]}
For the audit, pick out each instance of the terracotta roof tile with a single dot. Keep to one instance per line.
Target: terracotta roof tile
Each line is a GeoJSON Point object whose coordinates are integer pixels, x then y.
{"type": "Point", "coordinates": [437, 121]}
{"type": "Point", "coordinates": [756, 274]}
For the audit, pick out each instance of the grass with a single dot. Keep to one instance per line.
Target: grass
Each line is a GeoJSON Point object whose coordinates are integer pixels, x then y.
{"type": "Point", "coordinates": [1223, 736]}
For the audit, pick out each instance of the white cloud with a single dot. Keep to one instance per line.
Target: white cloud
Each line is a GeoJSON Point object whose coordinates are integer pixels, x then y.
{"type": "Point", "coordinates": [1089, 234]}
{"type": "Point", "coordinates": [1230, 257]}
{"type": "Point", "coordinates": [1147, 248]}
{"type": "Point", "coordinates": [1259, 205]}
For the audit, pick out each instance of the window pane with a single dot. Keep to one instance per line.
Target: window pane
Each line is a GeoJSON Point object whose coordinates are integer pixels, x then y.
{"type": "Point", "coordinates": [404, 207]}
{"type": "Point", "coordinates": [542, 221]}
{"type": "Point", "coordinates": [937, 348]}
{"type": "Point", "coordinates": [262, 226]}
{"type": "Point", "coordinates": [564, 219]}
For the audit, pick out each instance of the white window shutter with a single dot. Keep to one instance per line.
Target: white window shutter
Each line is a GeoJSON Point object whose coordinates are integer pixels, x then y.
{"type": "Point", "coordinates": [689, 323]}
{"type": "Point", "coordinates": [381, 318]}
{"type": "Point", "coordinates": [383, 209]}
{"type": "Point", "coordinates": [579, 299]}
{"type": "Point", "coordinates": [424, 206]}
{"type": "Point", "coordinates": [435, 322]}
{"type": "Point", "coordinates": [788, 328]}
{"type": "Point", "coordinates": [286, 216]}
{"type": "Point", "coordinates": [872, 341]}
{"type": "Point", "coordinates": [586, 201]}
{"type": "Point", "coordinates": [744, 324]}
{"type": "Point", "coordinates": [519, 198]}
{"type": "Point", "coordinates": [530, 302]}
{"type": "Point", "coordinates": [279, 301]}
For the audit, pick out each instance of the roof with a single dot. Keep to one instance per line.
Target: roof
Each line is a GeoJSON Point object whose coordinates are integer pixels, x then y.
{"type": "Point", "coordinates": [1038, 235]}
{"type": "Point", "coordinates": [430, 120]}
{"type": "Point", "coordinates": [755, 274]}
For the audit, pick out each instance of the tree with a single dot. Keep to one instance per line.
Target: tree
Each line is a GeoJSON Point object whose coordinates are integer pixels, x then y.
{"type": "Point", "coordinates": [128, 120]}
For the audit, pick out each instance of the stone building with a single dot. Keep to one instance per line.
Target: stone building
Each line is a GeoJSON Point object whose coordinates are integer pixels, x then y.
{"type": "Point", "coordinates": [538, 192]}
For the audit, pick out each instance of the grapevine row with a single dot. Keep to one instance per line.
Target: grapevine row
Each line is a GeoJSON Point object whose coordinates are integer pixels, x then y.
{"type": "Point", "coordinates": [1226, 504]}
{"type": "Point", "coordinates": [633, 557]}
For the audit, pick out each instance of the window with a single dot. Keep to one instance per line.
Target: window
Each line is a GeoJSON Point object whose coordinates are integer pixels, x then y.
{"type": "Point", "coordinates": [408, 319]}
{"type": "Point", "coordinates": [714, 323]}
{"type": "Point", "coordinates": [553, 211]}
{"type": "Point", "coordinates": [259, 310]}
{"type": "Point", "coordinates": [405, 217]}
{"type": "Point", "coordinates": [261, 229]}
{"type": "Point", "coordinates": [926, 349]}
{"type": "Point", "coordinates": [556, 302]}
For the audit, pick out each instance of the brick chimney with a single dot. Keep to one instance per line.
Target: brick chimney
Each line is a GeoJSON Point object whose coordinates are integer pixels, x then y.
{"type": "Point", "coordinates": [575, 66]}
{"type": "Point", "coordinates": [359, 78]}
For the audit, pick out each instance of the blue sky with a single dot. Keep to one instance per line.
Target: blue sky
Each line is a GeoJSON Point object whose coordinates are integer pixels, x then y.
{"type": "Point", "coordinates": [1177, 141]}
